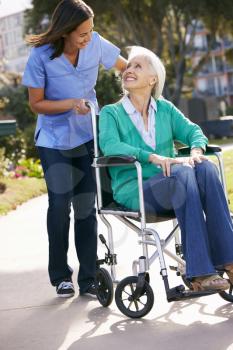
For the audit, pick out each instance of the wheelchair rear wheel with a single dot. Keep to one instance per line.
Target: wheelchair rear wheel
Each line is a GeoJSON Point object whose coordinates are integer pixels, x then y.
{"type": "Point", "coordinates": [104, 287]}
{"type": "Point", "coordinates": [134, 308]}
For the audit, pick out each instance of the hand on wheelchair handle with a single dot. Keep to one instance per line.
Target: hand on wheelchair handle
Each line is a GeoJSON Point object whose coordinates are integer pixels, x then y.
{"type": "Point", "coordinates": [81, 106]}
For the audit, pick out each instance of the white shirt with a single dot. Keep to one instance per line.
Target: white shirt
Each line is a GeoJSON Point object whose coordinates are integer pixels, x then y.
{"type": "Point", "coordinates": [136, 117]}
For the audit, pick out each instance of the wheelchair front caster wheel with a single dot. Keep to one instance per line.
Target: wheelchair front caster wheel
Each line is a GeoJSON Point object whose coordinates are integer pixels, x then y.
{"type": "Point", "coordinates": [104, 287]}
{"type": "Point", "coordinates": [133, 307]}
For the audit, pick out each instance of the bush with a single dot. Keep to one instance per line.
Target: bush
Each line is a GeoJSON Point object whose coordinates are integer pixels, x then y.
{"type": "Point", "coordinates": [30, 168]}
{"type": "Point", "coordinates": [31, 151]}
{"type": "Point", "coordinates": [108, 88]}
{"type": "Point", "coordinates": [5, 164]}
{"type": "Point", "coordinates": [14, 146]}
{"type": "Point", "coordinates": [21, 168]}
{"type": "Point", "coordinates": [16, 104]}
{"type": "Point", "coordinates": [2, 187]}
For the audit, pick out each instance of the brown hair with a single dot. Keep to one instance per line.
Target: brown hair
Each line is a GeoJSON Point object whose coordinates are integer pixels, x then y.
{"type": "Point", "coordinates": [67, 16]}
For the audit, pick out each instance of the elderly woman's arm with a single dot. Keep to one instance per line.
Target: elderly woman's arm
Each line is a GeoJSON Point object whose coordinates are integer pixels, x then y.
{"type": "Point", "coordinates": [190, 134]}
{"type": "Point", "coordinates": [186, 131]}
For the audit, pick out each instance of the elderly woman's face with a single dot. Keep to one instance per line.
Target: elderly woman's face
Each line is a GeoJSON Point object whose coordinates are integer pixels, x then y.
{"type": "Point", "coordinates": [138, 74]}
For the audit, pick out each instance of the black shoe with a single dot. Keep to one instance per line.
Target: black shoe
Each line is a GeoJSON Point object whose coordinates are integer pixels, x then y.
{"type": "Point", "coordinates": [90, 291]}
{"type": "Point", "coordinates": [65, 289]}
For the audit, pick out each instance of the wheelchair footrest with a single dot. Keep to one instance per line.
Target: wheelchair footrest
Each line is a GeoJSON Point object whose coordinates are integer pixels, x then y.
{"type": "Point", "coordinates": [180, 293]}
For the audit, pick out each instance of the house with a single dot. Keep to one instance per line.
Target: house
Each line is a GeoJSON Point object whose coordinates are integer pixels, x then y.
{"type": "Point", "coordinates": [216, 76]}
{"type": "Point", "coordinates": [13, 49]}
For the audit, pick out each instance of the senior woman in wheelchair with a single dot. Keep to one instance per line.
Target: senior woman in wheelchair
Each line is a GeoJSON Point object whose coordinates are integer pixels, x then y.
{"type": "Point", "coordinates": [145, 125]}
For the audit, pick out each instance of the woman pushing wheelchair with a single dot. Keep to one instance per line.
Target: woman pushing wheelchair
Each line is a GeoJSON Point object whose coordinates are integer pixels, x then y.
{"type": "Point", "coordinates": [145, 125]}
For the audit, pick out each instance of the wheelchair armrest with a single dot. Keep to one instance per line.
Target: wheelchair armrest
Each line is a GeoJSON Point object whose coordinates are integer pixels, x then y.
{"type": "Point", "coordinates": [115, 161]}
{"type": "Point", "coordinates": [210, 149]}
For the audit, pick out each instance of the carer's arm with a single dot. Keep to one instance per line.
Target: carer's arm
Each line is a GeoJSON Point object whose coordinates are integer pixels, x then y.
{"type": "Point", "coordinates": [39, 104]}
{"type": "Point", "coordinates": [121, 64]}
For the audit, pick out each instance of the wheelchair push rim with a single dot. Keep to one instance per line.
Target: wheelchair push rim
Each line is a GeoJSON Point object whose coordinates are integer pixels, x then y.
{"type": "Point", "coordinates": [134, 308]}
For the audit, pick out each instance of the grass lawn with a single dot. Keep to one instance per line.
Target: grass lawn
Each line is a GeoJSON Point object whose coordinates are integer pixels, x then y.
{"type": "Point", "coordinates": [222, 141]}
{"type": "Point", "coordinates": [19, 191]}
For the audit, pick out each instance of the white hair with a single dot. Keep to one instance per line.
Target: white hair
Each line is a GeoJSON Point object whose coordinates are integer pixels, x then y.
{"type": "Point", "coordinates": [156, 65]}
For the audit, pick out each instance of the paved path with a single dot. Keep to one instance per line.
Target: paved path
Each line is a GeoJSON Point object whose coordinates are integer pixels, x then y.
{"type": "Point", "coordinates": [32, 318]}
{"type": "Point", "coordinates": [227, 147]}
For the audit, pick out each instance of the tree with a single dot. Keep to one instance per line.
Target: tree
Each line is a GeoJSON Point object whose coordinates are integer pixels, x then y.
{"type": "Point", "coordinates": [167, 27]}
{"type": "Point", "coordinates": [34, 17]}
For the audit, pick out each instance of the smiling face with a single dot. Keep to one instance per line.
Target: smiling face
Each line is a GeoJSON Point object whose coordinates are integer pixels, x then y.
{"type": "Point", "coordinates": [138, 75]}
{"type": "Point", "coordinates": [81, 36]}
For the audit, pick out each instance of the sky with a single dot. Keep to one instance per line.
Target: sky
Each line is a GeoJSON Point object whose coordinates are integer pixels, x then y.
{"type": "Point", "coordinates": [8, 7]}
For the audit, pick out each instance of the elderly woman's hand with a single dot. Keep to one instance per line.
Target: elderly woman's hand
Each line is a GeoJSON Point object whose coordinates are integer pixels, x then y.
{"type": "Point", "coordinates": [196, 155]}
{"type": "Point", "coordinates": [165, 162]}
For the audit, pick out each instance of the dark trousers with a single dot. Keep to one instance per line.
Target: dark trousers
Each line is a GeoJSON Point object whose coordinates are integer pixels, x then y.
{"type": "Point", "coordinates": [196, 195]}
{"type": "Point", "coordinates": [71, 179]}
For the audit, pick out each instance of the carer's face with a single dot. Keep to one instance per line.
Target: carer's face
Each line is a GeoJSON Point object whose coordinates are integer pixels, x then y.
{"type": "Point", "coordinates": [81, 36]}
{"type": "Point", "coordinates": [138, 74]}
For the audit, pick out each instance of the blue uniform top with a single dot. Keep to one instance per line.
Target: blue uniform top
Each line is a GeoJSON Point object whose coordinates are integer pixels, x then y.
{"type": "Point", "coordinates": [61, 80]}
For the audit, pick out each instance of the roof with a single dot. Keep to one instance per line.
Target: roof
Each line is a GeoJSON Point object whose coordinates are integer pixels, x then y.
{"type": "Point", "coordinates": [10, 7]}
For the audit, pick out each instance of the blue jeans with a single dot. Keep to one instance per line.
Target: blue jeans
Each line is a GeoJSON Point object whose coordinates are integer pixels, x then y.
{"type": "Point", "coordinates": [71, 179]}
{"type": "Point", "coordinates": [197, 198]}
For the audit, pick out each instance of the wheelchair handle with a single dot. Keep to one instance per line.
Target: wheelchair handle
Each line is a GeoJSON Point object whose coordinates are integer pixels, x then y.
{"type": "Point", "coordinates": [91, 105]}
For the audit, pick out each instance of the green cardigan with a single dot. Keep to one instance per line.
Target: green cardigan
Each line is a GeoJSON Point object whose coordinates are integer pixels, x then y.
{"type": "Point", "coordinates": [119, 136]}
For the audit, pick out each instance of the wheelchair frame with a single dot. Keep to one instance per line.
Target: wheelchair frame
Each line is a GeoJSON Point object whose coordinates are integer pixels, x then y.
{"type": "Point", "coordinates": [147, 236]}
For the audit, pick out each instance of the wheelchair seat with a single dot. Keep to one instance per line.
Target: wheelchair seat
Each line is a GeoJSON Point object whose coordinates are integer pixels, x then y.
{"type": "Point", "coordinates": [110, 206]}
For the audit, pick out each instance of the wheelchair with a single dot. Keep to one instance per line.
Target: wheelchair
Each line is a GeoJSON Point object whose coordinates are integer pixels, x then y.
{"type": "Point", "coordinates": [133, 295]}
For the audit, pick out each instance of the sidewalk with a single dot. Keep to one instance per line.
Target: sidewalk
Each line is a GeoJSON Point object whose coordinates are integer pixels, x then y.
{"type": "Point", "coordinates": [32, 318]}
{"type": "Point", "coordinates": [226, 147]}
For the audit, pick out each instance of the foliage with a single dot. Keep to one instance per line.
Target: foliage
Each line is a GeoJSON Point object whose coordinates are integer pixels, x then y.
{"type": "Point", "coordinates": [14, 102]}
{"type": "Point", "coordinates": [35, 15]}
{"type": "Point", "coordinates": [5, 163]}
{"type": "Point", "coordinates": [14, 146]}
{"type": "Point", "coordinates": [30, 168]}
{"type": "Point", "coordinates": [31, 151]}
{"type": "Point", "coordinates": [22, 168]}
{"type": "Point", "coordinates": [108, 87]}
{"type": "Point", "coordinates": [166, 27]}
{"type": "Point", "coordinates": [2, 187]}
{"type": "Point", "coordinates": [16, 105]}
